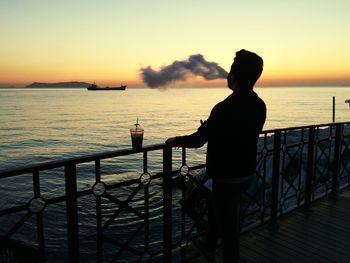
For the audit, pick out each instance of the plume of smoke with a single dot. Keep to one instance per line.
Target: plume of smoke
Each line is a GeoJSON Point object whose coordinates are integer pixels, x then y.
{"type": "Point", "coordinates": [180, 70]}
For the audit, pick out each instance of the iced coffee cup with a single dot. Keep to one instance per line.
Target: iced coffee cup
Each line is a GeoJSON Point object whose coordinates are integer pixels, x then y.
{"type": "Point", "coordinates": [136, 133]}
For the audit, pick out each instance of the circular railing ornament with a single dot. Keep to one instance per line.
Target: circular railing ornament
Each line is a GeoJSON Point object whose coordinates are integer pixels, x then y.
{"type": "Point", "coordinates": [145, 178]}
{"type": "Point", "coordinates": [184, 170]}
{"type": "Point", "coordinates": [36, 205]}
{"type": "Point", "coordinates": [264, 152]}
{"type": "Point", "coordinates": [99, 188]}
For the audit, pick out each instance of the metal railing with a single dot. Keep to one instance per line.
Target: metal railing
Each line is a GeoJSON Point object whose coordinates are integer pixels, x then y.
{"type": "Point", "coordinates": [109, 216]}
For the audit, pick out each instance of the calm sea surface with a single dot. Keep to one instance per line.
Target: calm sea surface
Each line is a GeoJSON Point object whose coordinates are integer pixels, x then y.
{"type": "Point", "coordinates": [44, 124]}
{"type": "Point", "coordinates": [38, 125]}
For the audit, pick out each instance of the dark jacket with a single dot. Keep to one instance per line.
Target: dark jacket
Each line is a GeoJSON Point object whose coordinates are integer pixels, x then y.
{"type": "Point", "coordinates": [232, 132]}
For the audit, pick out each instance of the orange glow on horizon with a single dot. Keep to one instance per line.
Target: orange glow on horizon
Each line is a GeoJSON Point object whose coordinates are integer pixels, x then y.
{"type": "Point", "coordinates": [298, 80]}
{"type": "Point", "coordinates": [112, 74]}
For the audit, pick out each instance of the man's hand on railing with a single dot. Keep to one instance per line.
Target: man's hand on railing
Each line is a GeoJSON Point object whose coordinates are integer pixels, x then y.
{"type": "Point", "coordinates": [170, 141]}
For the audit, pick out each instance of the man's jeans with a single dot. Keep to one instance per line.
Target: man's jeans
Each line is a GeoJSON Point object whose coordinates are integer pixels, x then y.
{"type": "Point", "coordinates": [224, 218]}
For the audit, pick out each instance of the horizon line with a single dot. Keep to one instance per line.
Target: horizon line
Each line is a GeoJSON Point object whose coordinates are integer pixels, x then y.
{"type": "Point", "coordinates": [194, 86]}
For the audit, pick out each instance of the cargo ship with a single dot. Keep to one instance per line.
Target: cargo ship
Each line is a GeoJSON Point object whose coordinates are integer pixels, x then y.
{"type": "Point", "coordinates": [95, 87]}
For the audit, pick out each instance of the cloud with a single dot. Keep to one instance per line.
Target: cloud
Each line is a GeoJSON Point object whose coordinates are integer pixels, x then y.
{"type": "Point", "coordinates": [180, 70]}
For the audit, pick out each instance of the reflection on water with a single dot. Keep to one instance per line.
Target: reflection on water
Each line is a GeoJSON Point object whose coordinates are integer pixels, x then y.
{"type": "Point", "coordinates": [39, 125]}
{"type": "Point", "coordinates": [42, 125]}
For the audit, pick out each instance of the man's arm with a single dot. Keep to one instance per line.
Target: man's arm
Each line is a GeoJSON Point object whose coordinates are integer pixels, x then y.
{"type": "Point", "coordinates": [195, 140]}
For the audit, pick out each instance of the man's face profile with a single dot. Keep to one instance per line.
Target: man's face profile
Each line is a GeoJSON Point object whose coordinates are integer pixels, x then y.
{"type": "Point", "coordinates": [230, 77]}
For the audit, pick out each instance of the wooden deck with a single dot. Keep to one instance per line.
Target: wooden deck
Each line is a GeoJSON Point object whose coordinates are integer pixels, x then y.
{"type": "Point", "coordinates": [321, 234]}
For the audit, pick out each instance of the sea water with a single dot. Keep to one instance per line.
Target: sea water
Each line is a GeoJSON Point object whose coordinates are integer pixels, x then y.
{"type": "Point", "coordinates": [40, 125]}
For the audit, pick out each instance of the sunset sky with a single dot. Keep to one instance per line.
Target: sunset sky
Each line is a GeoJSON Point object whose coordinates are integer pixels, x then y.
{"type": "Point", "coordinates": [108, 41]}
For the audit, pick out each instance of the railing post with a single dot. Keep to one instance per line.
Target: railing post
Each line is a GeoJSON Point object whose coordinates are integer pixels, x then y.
{"type": "Point", "coordinates": [72, 212]}
{"type": "Point", "coordinates": [336, 160]}
{"type": "Point", "coordinates": [167, 204]}
{"type": "Point", "coordinates": [146, 203]}
{"type": "Point", "coordinates": [310, 173]}
{"type": "Point", "coordinates": [98, 212]}
{"type": "Point", "coordinates": [39, 218]}
{"type": "Point", "coordinates": [275, 177]}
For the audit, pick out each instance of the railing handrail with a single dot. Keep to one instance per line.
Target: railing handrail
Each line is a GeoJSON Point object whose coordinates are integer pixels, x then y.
{"type": "Point", "coordinates": [122, 152]}
{"type": "Point", "coordinates": [77, 160]}
{"type": "Point", "coordinates": [305, 126]}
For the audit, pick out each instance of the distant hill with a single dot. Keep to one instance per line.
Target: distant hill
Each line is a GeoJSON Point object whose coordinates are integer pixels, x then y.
{"type": "Point", "coordinates": [71, 84]}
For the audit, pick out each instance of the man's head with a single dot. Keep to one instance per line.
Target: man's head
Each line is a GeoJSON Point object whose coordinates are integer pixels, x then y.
{"type": "Point", "coordinates": [245, 70]}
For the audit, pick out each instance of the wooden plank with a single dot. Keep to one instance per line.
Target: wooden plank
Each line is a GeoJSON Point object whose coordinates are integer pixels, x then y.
{"type": "Point", "coordinates": [297, 248]}
{"type": "Point", "coordinates": [249, 255]}
{"type": "Point", "coordinates": [321, 222]}
{"type": "Point", "coordinates": [297, 244]}
{"type": "Point", "coordinates": [339, 208]}
{"type": "Point", "coordinates": [310, 243]}
{"type": "Point", "coordinates": [321, 227]}
{"type": "Point", "coordinates": [342, 201]}
{"type": "Point", "coordinates": [274, 251]}
{"type": "Point", "coordinates": [318, 233]}
{"type": "Point", "coordinates": [321, 234]}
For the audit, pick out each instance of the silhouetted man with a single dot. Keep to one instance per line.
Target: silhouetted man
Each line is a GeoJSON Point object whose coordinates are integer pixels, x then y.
{"type": "Point", "coordinates": [232, 132]}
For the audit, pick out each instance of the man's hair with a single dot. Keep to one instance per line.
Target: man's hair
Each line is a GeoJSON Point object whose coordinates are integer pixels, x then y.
{"type": "Point", "coordinates": [247, 68]}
